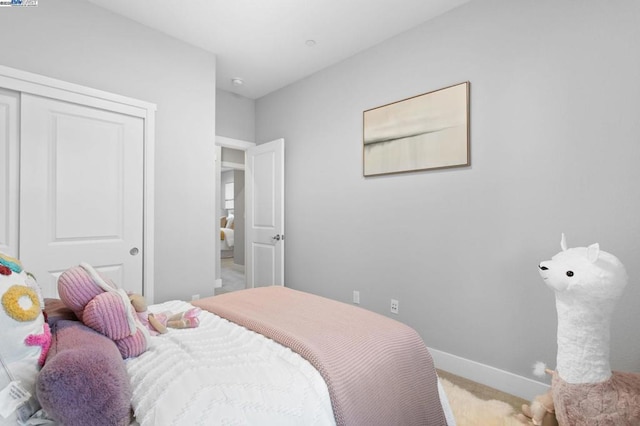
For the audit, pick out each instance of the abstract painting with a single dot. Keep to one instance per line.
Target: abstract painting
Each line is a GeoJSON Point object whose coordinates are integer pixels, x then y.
{"type": "Point", "coordinates": [428, 131]}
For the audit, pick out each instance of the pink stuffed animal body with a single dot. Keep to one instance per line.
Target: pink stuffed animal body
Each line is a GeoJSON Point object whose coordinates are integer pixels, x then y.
{"type": "Point", "coordinates": [104, 307]}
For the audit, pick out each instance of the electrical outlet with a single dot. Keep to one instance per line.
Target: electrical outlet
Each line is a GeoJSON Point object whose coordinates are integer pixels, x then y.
{"type": "Point", "coordinates": [356, 297]}
{"type": "Point", "coordinates": [195, 297]}
{"type": "Point", "coordinates": [394, 306]}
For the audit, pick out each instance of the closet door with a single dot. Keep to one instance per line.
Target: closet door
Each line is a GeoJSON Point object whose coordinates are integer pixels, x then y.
{"type": "Point", "coordinates": [9, 122]}
{"type": "Point", "coordinates": [81, 191]}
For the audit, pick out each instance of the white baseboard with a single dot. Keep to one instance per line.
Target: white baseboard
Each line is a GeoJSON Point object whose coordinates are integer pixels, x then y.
{"type": "Point", "coordinates": [504, 381]}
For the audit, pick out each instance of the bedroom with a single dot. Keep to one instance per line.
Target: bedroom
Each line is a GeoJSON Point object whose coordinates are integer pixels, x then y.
{"type": "Point", "coordinates": [554, 140]}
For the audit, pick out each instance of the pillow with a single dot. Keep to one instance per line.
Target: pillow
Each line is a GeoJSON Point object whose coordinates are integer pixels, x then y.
{"type": "Point", "coordinates": [84, 381]}
{"type": "Point", "coordinates": [230, 222]}
{"type": "Point", "coordinates": [24, 334]}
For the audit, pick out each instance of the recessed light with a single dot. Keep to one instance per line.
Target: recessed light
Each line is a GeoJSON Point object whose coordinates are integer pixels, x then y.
{"type": "Point", "coordinates": [310, 43]}
{"type": "Point", "coordinates": [236, 81]}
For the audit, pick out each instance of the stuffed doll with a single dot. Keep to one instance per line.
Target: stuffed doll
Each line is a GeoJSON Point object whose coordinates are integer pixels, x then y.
{"type": "Point", "coordinates": [104, 307]}
{"type": "Point", "coordinates": [25, 339]}
{"type": "Point", "coordinates": [157, 323]}
{"type": "Point", "coordinates": [541, 412]}
{"type": "Point", "coordinates": [587, 283]}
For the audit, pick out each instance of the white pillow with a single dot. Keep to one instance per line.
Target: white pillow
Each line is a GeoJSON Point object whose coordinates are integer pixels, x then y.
{"type": "Point", "coordinates": [24, 334]}
{"type": "Point", "coordinates": [229, 221]}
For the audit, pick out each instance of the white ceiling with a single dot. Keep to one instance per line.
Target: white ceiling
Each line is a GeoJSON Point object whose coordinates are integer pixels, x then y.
{"type": "Point", "coordinates": [264, 42]}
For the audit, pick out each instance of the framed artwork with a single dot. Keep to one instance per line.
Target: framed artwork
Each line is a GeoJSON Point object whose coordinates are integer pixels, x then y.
{"type": "Point", "coordinates": [428, 131]}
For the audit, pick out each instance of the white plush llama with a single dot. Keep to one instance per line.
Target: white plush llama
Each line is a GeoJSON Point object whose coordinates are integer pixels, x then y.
{"type": "Point", "coordinates": [587, 283]}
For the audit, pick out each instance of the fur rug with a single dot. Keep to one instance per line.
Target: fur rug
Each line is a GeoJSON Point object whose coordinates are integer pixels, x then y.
{"type": "Point", "coordinates": [469, 410]}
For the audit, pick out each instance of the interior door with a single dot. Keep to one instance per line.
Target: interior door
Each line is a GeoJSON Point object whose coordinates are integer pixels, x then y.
{"type": "Point", "coordinates": [81, 191]}
{"type": "Point", "coordinates": [264, 186]}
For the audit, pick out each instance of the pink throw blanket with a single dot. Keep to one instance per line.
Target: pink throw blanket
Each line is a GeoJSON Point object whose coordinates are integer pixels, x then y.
{"type": "Point", "coordinates": [378, 370]}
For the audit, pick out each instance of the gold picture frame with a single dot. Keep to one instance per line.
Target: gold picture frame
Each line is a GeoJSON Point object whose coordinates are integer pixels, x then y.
{"type": "Point", "coordinates": [424, 132]}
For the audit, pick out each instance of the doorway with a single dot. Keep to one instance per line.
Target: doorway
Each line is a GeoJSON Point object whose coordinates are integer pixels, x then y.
{"type": "Point", "coordinates": [263, 232]}
{"type": "Point", "coordinates": [230, 165]}
{"type": "Point", "coordinates": [232, 250]}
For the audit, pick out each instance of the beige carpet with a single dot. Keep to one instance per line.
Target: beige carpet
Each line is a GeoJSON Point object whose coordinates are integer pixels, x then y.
{"type": "Point", "coordinates": [470, 410]}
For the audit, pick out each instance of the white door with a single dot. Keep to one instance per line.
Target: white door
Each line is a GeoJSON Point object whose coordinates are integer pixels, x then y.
{"type": "Point", "coordinates": [81, 191]}
{"type": "Point", "coordinates": [264, 186]}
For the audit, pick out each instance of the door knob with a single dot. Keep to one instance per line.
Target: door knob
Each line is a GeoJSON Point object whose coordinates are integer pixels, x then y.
{"type": "Point", "coordinates": [276, 237]}
{"type": "Point", "coordinates": [134, 251]}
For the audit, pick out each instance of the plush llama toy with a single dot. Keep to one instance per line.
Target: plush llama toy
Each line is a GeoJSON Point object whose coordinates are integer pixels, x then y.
{"type": "Point", "coordinates": [24, 341]}
{"type": "Point", "coordinates": [584, 391]}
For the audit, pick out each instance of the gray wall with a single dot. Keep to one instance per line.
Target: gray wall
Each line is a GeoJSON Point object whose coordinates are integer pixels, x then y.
{"type": "Point", "coordinates": [78, 42]}
{"type": "Point", "coordinates": [555, 141]}
{"type": "Point", "coordinates": [232, 155]}
{"type": "Point", "coordinates": [235, 116]}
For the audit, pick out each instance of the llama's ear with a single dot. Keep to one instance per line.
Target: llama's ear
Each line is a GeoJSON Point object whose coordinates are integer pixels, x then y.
{"type": "Point", "coordinates": [563, 243]}
{"type": "Point", "coordinates": [593, 251]}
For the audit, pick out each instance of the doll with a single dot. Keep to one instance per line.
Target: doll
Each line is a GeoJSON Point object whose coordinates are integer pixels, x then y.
{"type": "Point", "coordinates": [159, 322]}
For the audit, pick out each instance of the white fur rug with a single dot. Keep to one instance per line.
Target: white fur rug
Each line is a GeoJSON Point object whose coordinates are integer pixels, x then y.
{"type": "Point", "coordinates": [469, 410]}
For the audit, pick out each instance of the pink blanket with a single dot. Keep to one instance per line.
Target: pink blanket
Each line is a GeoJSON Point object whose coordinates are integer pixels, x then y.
{"type": "Point", "coordinates": [378, 371]}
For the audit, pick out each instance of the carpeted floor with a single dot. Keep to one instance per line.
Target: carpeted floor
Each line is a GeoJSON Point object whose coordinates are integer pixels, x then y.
{"type": "Point", "coordinates": [232, 276]}
{"type": "Point", "coordinates": [482, 391]}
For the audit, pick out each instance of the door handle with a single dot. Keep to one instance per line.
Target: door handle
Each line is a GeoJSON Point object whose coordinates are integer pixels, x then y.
{"type": "Point", "coordinates": [277, 237]}
{"type": "Point", "coordinates": [134, 251]}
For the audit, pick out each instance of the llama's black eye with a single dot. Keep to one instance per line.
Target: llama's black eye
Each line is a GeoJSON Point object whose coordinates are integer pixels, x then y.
{"type": "Point", "coordinates": [569, 273]}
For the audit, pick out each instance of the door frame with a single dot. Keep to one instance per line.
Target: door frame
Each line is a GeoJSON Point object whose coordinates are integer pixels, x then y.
{"type": "Point", "coordinates": [240, 145]}
{"type": "Point", "coordinates": [26, 82]}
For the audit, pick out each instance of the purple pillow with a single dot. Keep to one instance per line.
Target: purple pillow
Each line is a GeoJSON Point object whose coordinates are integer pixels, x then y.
{"type": "Point", "coordinates": [84, 380]}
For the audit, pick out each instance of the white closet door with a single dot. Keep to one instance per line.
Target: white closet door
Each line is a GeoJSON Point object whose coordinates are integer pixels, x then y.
{"type": "Point", "coordinates": [9, 123]}
{"type": "Point", "coordinates": [81, 191]}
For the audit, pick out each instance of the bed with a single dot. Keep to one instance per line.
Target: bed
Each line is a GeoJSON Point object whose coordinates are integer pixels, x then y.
{"type": "Point", "coordinates": [267, 356]}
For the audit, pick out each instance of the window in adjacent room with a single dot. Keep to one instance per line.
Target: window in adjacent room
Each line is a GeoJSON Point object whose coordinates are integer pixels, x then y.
{"type": "Point", "coordinates": [228, 197]}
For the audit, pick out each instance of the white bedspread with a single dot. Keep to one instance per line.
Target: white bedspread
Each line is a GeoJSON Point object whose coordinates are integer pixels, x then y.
{"type": "Point", "coordinates": [221, 373]}
{"type": "Point", "coordinates": [228, 236]}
